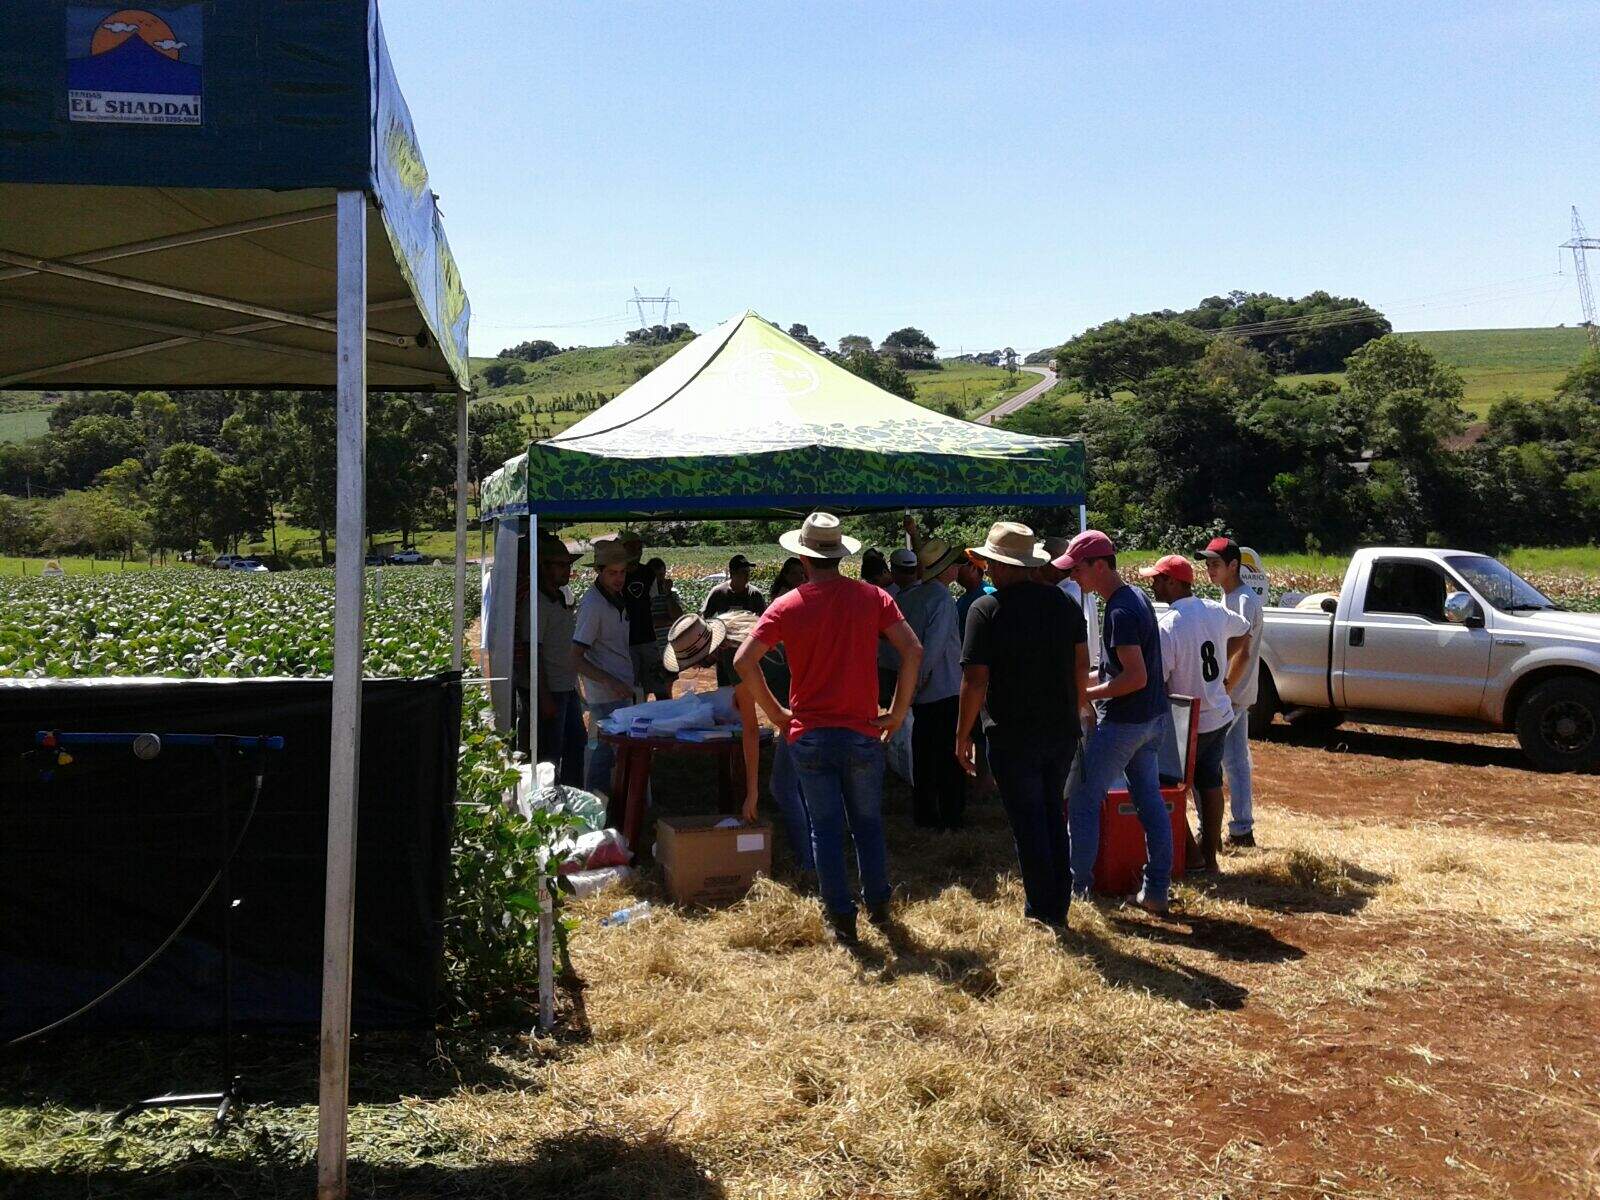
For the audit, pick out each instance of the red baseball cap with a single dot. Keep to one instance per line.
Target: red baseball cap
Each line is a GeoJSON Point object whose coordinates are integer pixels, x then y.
{"type": "Point", "coordinates": [1224, 548]}
{"type": "Point", "coordinates": [1091, 543]}
{"type": "Point", "coordinates": [1173, 566]}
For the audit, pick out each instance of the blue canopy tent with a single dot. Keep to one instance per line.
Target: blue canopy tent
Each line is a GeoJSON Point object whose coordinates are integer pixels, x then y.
{"type": "Point", "coordinates": [189, 193]}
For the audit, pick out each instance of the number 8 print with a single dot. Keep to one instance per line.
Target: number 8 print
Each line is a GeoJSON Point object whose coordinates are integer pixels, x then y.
{"type": "Point", "coordinates": [1208, 662]}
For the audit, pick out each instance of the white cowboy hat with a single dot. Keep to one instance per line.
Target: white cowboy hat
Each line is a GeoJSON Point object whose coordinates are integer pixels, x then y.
{"type": "Point", "coordinates": [1011, 543]}
{"type": "Point", "coordinates": [692, 639]}
{"type": "Point", "coordinates": [819, 537]}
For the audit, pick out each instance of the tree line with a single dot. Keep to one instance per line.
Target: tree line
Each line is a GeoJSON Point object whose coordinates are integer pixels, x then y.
{"type": "Point", "coordinates": [1201, 436]}
{"type": "Point", "coordinates": [120, 473]}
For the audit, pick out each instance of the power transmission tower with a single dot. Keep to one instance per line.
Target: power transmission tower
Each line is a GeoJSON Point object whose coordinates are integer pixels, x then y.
{"type": "Point", "coordinates": [1580, 242]}
{"type": "Point", "coordinates": [666, 302]}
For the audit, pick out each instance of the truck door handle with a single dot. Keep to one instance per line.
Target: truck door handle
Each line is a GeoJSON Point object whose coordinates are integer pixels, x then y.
{"type": "Point", "coordinates": [1509, 642]}
{"type": "Point", "coordinates": [1358, 636]}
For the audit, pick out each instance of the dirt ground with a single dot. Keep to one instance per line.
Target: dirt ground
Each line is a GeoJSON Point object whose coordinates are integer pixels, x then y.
{"type": "Point", "coordinates": [1425, 1050]}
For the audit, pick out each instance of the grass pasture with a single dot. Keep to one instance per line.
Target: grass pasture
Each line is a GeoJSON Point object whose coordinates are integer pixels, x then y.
{"type": "Point", "coordinates": [972, 387]}
{"type": "Point", "coordinates": [18, 425]}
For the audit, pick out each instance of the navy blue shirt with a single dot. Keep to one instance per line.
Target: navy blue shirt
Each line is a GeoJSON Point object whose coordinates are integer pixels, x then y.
{"type": "Point", "coordinates": [1131, 621]}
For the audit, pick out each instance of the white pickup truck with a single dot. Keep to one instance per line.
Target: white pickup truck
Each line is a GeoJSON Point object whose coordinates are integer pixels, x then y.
{"type": "Point", "coordinates": [1431, 637]}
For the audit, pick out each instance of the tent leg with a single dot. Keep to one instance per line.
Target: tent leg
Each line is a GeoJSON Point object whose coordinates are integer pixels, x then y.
{"type": "Point", "coordinates": [344, 756]}
{"type": "Point", "coordinates": [547, 987]}
{"type": "Point", "coordinates": [458, 624]}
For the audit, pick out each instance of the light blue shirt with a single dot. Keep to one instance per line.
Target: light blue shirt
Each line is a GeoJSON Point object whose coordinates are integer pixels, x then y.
{"type": "Point", "coordinates": [930, 610]}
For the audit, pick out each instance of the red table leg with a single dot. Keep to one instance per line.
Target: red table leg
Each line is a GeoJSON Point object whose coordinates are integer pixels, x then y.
{"type": "Point", "coordinates": [638, 784]}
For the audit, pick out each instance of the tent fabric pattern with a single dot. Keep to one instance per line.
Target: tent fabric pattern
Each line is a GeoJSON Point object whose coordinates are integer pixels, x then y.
{"type": "Point", "coordinates": [745, 421]}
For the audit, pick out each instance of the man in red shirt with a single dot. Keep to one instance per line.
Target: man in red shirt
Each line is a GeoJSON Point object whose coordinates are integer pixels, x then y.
{"type": "Point", "coordinates": [829, 629]}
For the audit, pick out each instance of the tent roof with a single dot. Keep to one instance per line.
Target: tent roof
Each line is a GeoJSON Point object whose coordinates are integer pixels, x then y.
{"type": "Point", "coordinates": [195, 247]}
{"type": "Point", "coordinates": [746, 421]}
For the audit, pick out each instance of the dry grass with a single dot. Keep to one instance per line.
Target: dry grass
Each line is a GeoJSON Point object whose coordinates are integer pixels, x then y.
{"type": "Point", "coordinates": [968, 1053]}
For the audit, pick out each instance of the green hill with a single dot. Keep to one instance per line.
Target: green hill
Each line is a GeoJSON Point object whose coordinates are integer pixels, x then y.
{"type": "Point", "coordinates": [1492, 362]}
{"type": "Point", "coordinates": [1496, 361]}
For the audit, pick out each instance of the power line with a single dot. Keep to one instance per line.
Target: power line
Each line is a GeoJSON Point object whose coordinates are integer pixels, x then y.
{"type": "Point", "coordinates": [1578, 244]}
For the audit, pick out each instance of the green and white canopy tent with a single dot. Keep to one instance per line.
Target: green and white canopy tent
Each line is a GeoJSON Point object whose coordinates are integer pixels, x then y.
{"type": "Point", "coordinates": [745, 421]}
{"type": "Point", "coordinates": [189, 193]}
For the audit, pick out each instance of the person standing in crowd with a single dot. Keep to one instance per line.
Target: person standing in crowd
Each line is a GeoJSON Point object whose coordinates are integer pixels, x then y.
{"type": "Point", "coordinates": [656, 680]}
{"type": "Point", "coordinates": [785, 783]}
{"type": "Point", "coordinates": [601, 654]}
{"type": "Point", "coordinates": [695, 640]}
{"type": "Point", "coordinates": [1203, 649]}
{"type": "Point", "coordinates": [734, 595]}
{"type": "Point", "coordinates": [902, 570]}
{"type": "Point", "coordinates": [790, 576]}
{"type": "Point", "coordinates": [939, 786]}
{"type": "Point", "coordinates": [1025, 668]}
{"type": "Point", "coordinates": [638, 597]}
{"type": "Point", "coordinates": [561, 735]}
{"type": "Point", "coordinates": [970, 575]}
{"type": "Point", "coordinates": [874, 569]}
{"type": "Point", "coordinates": [829, 626]}
{"type": "Point", "coordinates": [1223, 568]}
{"type": "Point", "coordinates": [1127, 739]}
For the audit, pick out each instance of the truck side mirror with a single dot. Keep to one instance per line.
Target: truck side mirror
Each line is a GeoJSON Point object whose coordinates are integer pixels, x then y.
{"type": "Point", "coordinates": [1462, 609]}
{"type": "Point", "coordinates": [1330, 604]}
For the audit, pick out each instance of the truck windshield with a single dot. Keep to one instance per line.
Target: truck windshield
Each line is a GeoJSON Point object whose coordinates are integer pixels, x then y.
{"type": "Point", "coordinates": [1498, 583]}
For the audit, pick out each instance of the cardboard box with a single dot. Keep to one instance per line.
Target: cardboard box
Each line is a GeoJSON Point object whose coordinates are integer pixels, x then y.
{"type": "Point", "coordinates": [706, 865]}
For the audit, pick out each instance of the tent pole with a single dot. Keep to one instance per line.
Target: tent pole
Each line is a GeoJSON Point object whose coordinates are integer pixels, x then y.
{"type": "Point", "coordinates": [546, 916]}
{"type": "Point", "coordinates": [458, 625]}
{"type": "Point", "coordinates": [344, 753]}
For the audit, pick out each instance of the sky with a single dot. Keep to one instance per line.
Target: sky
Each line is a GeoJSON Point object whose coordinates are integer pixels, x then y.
{"type": "Point", "coordinates": [1000, 174]}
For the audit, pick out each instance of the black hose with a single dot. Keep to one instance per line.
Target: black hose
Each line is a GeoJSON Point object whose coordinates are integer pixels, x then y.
{"type": "Point", "coordinates": [189, 916]}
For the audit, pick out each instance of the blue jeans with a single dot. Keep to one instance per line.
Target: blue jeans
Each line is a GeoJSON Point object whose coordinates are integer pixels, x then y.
{"type": "Point", "coordinates": [1113, 749]}
{"type": "Point", "coordinates": [791, 804]}
{"type": "Point", "coordinates": [601, 756]}
{"type": "Point", "coordinates": [841, 778]}
{"type": "Point", "coordinates": [562, 738]}
{"type": "Point", "coordinates": [1236, 766]}
{"type": "Point", "coordinates": [1031, 776]}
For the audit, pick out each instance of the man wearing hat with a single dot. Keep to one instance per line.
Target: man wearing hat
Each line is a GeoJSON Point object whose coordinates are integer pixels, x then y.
{"type": "Point", "coordinates": [939, 786]}
{"type": "Point", "coordinates": [601, 655]}
{"type": "Point", "coordinates": [561, 736]}
{"type": "Point", "coordinates": [1133, 721]}
{"type": "Point", "coordinates": [1024, 668]}
{"type": "Point", "coordinates": [1203, 647]}
{"type": "Point", "coordinates": [1223, 563]}
{"type": "Point", "coordinates": [829, 626]}
{"type": "Point", "coordinates": [735, 594]}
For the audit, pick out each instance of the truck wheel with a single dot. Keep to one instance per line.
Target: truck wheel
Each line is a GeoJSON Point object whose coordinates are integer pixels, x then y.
{"type": "Point", "coordinates": [1266, 706]}
{"type": "Point", "coordinates": [1558, 724]}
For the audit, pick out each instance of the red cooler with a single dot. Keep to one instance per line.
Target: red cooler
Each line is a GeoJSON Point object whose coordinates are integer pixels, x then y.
{"type": "Point", "coordinates": [1119, 864]}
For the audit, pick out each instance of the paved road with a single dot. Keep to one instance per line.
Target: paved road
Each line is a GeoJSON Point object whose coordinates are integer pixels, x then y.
{"type": "Point", "coordinates": [1010, 406]}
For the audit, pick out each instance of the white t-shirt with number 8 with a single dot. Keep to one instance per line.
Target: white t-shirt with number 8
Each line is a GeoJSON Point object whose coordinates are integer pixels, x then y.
{"type": "Point", "coordinates": [1194, 654]}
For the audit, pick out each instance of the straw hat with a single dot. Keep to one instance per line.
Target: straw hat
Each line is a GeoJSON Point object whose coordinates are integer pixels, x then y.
{"type": "Point", "coordinates": [937, 556]}
{"type": "Point", "coordinates": [692, 639]}
{"type": "Point", "coordinates": [819, 537]}
{"type": "Point", "coordinates": [1010, 543]}
{"type": "Point", "coordinates": [609, 552]}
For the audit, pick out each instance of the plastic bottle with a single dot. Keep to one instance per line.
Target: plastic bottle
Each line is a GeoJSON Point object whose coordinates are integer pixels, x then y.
{"type": "Point", "coordinates": [624, 916]}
